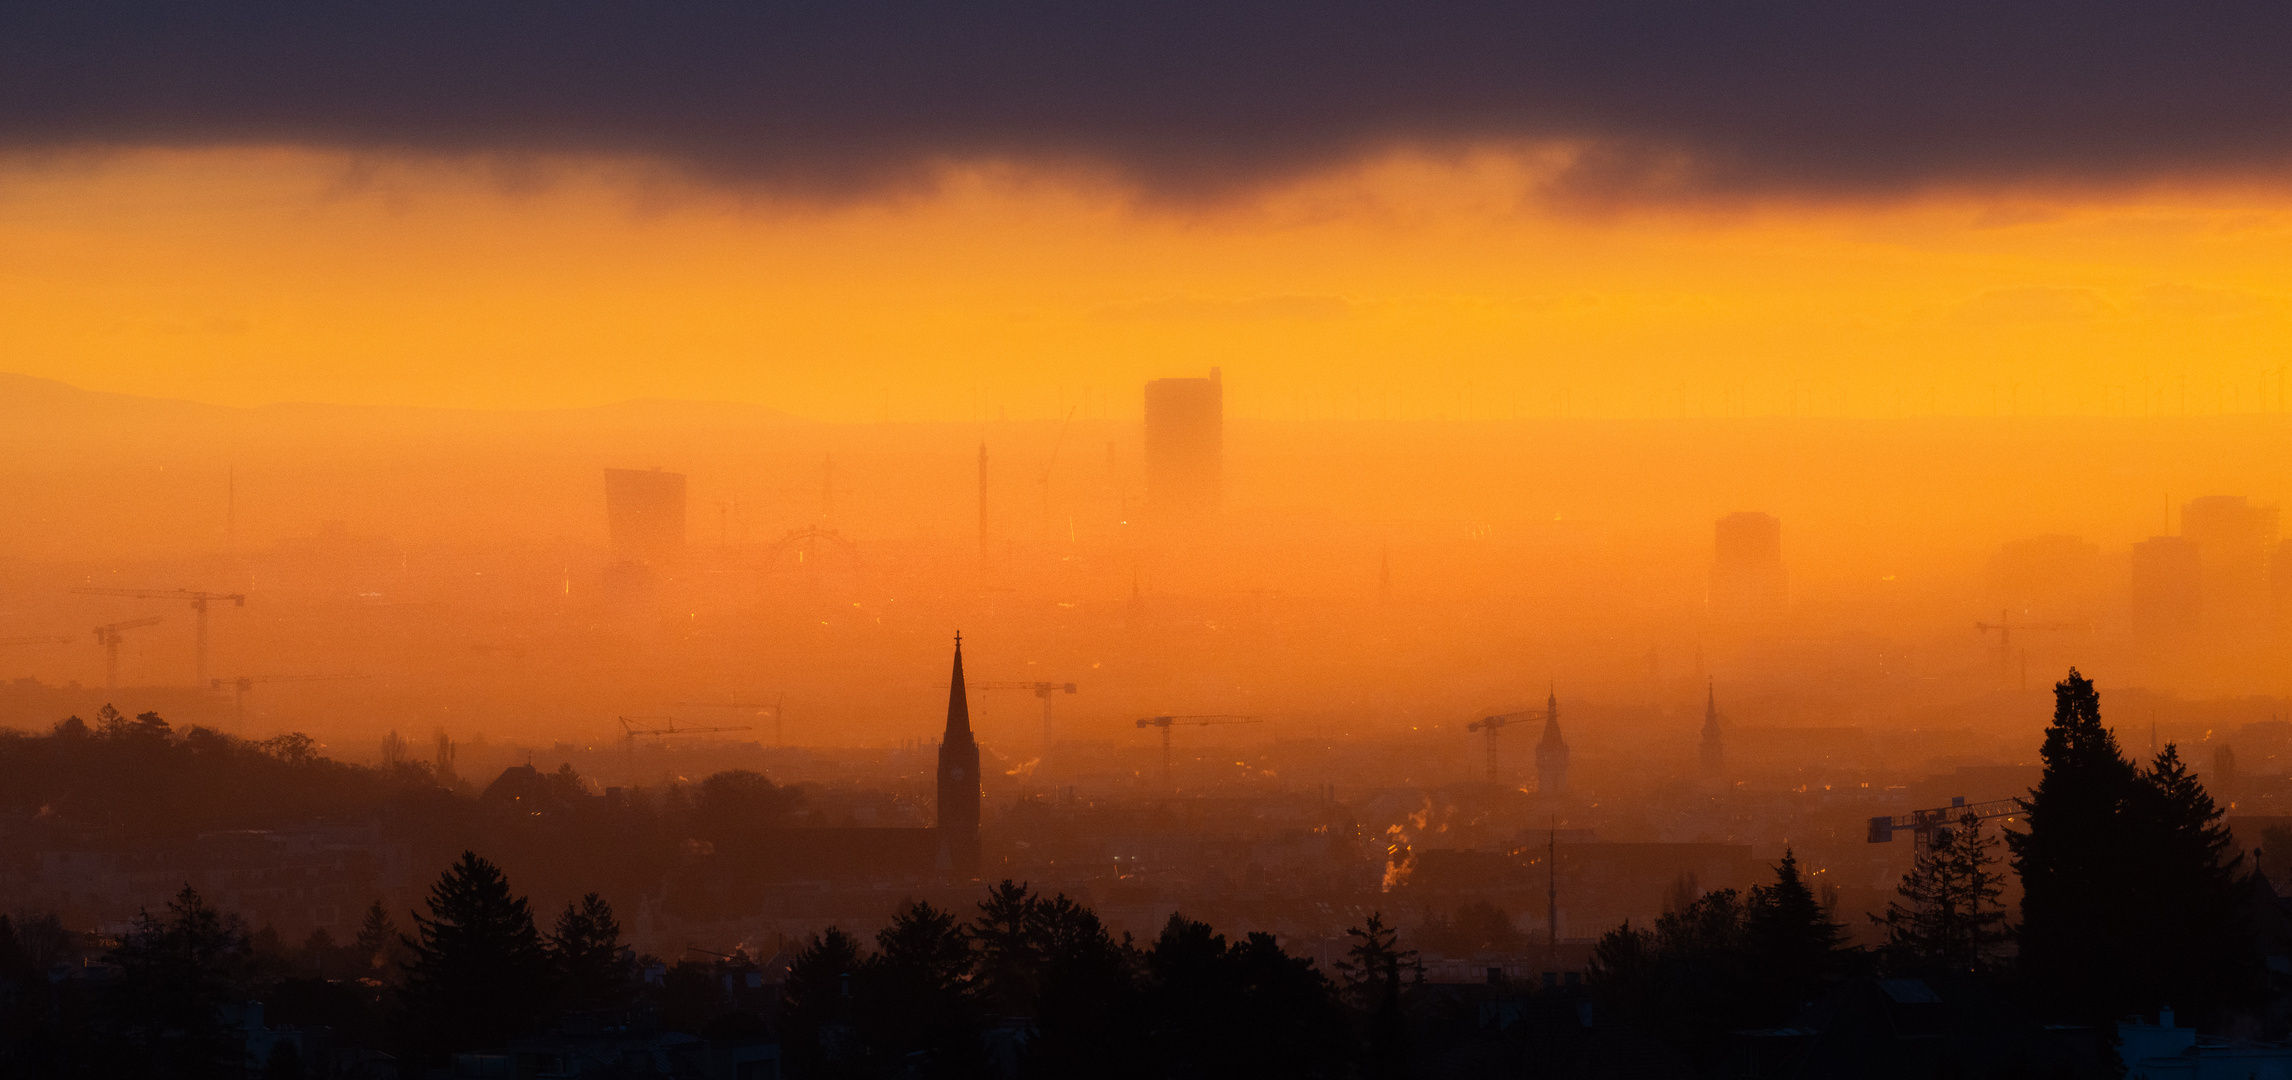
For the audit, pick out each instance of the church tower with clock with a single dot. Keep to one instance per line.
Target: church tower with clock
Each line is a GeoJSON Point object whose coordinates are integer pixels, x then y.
{"type": "Point", "coordinates": [958, 821]}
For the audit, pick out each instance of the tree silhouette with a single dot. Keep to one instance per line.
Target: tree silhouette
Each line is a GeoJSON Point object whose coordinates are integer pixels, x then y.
{"type": "Point", "coordinates": [1008, 934]}
{"type": "Point", "coordinates": [592, 969]}
{"type": "Point", "coordinates": [2197, 948]}
{"type": "Point", "coordinates": [1372, 981]}
{"type": "Point", "coordinates": [1087, 1020]}
{"type": "Point", "coordinates": [176, 972]}
{"type": "Point", "coordinates": [2073, 862]}
{"type": "Point", "coordinates": [1795, 948]}
{"type": "Point", "coordinates": [1244, 1010]}
{"type": "Point", "coordinates": [1949, 918]}
{"type": "Point", "coordinates": [479, 973]}
{"type": "Point", "coordinates": [816, 1005]}
{"type": "Point", "coordinates": [917, 994]}
{"type": "Point", "coordinates": [1689, 979]}
{"type": "Point", "coordinates": [379, 946]}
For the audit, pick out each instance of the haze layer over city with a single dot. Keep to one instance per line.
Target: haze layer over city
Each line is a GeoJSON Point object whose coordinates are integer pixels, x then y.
{"type": "Point", "coordinates": [1490, 503]}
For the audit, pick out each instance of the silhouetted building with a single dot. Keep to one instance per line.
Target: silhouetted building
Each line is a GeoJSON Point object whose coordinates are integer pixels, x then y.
{"type": "Point", "coordinates": [958, 821]}
{"type": "Point", "coordinates": [1747, 581]}
{"type": "Point", "coordinates": [1552, 751]}
{"type": "Point", "coordinates": [2168, 586]}
{"type": "Point", "coordinates": [644, 514]}
{"type": "Point", "coordinates": [1185, 446]}
{"type": "Point", "coordinates": [1714, 753]}
{"type": "Point", "coordinates": [2234, 538]}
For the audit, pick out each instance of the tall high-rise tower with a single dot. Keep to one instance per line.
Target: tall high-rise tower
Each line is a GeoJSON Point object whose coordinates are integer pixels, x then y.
{"type": "Point", "coordinates": [1748, 587]}
{"type": "Point", "coordinates": [1185, 447]}
{"type": "Point", "coordinates": [644, 515]}
{"type": "Point", "coordinates": [1714, 754]}
{"type": "Point", "coordinates": [958, 822]}
{"type": "Point", "coordinates": [1551, 751]}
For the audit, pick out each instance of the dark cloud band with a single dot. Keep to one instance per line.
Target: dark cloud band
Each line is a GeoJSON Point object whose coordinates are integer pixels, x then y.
{"type": "Point", "coordinates": [1190, 95]}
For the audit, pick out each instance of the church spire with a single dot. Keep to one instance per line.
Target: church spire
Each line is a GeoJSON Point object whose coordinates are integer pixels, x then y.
{"type": "Point", "coordinates": [958, 704]}
{"type": "Point", "coordinates": [1552, 752]}
{"type": "Point", "coordinates": [958, 823]}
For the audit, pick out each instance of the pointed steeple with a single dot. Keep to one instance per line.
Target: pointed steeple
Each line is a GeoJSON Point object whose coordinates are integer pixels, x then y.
{"type": "Point", "coordinates": [1552, 751]}
{"type": "Point", "coordinates": [958, 822]}
{"type": "Point", "coordinates": [958, 703]}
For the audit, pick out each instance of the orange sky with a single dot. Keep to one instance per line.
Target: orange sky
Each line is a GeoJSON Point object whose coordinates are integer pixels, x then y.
{"type": "Point", "coordinates": [1402, 288]}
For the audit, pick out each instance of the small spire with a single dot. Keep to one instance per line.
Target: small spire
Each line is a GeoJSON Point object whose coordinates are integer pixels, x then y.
{"type": "Point", "coordinates": [958, 703]}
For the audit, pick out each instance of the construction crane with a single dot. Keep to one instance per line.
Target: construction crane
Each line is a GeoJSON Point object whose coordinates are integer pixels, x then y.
{"type": "Point", "coordinates": [1202, 720]}
{"type": "Point", "coordinates": [239, 687]}
{"type": "Point", "coordinates": [773, 708]}
{"type": "Point", "coordinates": [633, 726]}
{"type": "Point", "coordinates": [1490, 725]}
{"type": "Point", "coordinates": [2005, 626]}
{"type": "Point", "coordinates": [109, 636]}
{"type": "Point", "coordinates": [198, 601]}
{"type": "Point", "coordinates": [1931, 828]}
{"type": "Point", "coordinates": [1042, 690]}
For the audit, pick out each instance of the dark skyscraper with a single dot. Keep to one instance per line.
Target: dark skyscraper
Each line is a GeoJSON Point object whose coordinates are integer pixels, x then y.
{"type": "Point", "coordinates": [644, 515]}
{"type": "Point", "coordinates": [958, 821]}
{"type": "Point", "coordinates": [1185, 447]}
{"type": "Point", "coordinates": [1747, 582]}
{"type": "Point", "coordinates": [2234, 538]}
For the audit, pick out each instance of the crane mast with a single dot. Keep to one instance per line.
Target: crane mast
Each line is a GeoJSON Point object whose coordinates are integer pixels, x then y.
{"type": "Point", "coordinates": [199, 599]}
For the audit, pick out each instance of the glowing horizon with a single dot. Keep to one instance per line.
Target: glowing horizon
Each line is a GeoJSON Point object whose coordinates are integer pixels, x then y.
{"type": "Point", "coordinates": [1404, 288]}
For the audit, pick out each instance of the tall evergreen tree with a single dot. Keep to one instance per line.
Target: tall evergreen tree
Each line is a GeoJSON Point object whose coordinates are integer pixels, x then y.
{"type": "Point", "coordinates": [378, 945]}
{"type": "Point", "coordinates": [918, 995]}
{"type": "Point", "coordinates": [1087, 1013]}
{"type": "Point", "coordinates": [176, 973]}
{"type": "Point", "coordinates": [1372, 972]}
{"type": "Point", "coordinates": [1795, 948]}
{"type": "Point", "coordinates": [2195, 948]}
{"type": "Point", "coordinates": [2074, 858]}
{"type": "Point", "coordinates": [479, 973]}
{"type": "Point", "coordinates": [1949, 918]}
{"type": "Point", "coordinates": [816, 1006]}
{"type": "Point", "coordinates": [593, 971]}
{"type": "Point", "coordinates": [1008, 934]}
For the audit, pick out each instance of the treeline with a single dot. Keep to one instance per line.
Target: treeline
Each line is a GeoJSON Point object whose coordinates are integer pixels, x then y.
{"type": "Point", "coordinates": [140, 782]}
{"type": "Point", "coordinates": [2133, 899]}
{"type": "Point", "coordinates": [1041, 983]}
{"type": "Point", "coordinates": [1031, 984]}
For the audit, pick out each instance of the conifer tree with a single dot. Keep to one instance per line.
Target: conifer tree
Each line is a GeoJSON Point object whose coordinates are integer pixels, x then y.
{"type": "Point", "coordinates": [479, 973]}
{"type": "Point", "coordinates": [176, 972]}
{"type": "Point", "coordinates": [2074, 858]}
{"type": "Point", "coordinates": [1372, 972]}
{"type": "Point", "coordinates": [1009, 940]}
{"type": "Point", "coordinates": [816, 1005]}
{"type": "Point", "coordinates": [378, 945]}
{"type": "Point", "coordinates": [2194, 947]}
{"type": "Point", "coordinates": [592, 969]}
{"type": "Point", "coordinates": [1949, 918]}
{"type": "Point", "coordinates": [1794, 946]}
{"type": "Point", "coordinates": [918, 994]}
{"type": "Point", "coordinates": [1087, 1013]}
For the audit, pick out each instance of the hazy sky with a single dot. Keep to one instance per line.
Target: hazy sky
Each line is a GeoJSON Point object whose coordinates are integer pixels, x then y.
{"type": "Point", "coordinates": [1597, 209]}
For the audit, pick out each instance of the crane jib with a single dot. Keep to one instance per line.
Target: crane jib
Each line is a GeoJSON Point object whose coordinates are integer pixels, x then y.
{"type": "Point", "coordinates": [1922, 824]}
